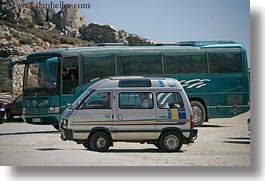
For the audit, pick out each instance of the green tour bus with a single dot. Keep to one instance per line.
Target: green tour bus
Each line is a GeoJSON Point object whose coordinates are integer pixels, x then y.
{"type": "Point", "coordinates": [214, 75]}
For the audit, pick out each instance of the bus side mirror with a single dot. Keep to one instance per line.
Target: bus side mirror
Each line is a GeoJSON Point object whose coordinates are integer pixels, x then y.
{"type": "Point", "coordinates": [47, 64]}
{"type": "Point", "coordinates": [11, 65]}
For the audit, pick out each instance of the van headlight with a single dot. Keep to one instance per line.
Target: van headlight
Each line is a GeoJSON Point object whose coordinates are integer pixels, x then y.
{"type": "Point", "coordinates": [64, 123]}
{"type": "Point", "coordinates": [53, 110]}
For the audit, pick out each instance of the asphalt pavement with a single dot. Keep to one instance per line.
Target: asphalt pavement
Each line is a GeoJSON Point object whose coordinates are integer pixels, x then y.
{"type": "Point", "coordinates": [221, 142]}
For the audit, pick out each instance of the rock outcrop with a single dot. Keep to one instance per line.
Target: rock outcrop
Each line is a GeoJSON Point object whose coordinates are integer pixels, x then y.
{"type": "Point", "coordinates": [101, 33]}
{"type": "Point", "coordinates": [68, 20]}
{"type": "Point", "coordinates": [18, 11]}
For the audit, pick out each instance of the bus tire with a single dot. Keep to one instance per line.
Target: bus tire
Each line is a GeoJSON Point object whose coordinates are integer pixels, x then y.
{"type": "Point", "coordinates": [9, 115]}
{"type": "Point", "coordinates": [56, 126]}
{"type": "Point", "coordinates": [199, 113]}
{"type": "Point", "coordinates": [171, 141]}
{"type": "Point", "coordinates": [1, 120]}
{"type": "Point", "coordinates": [100, 141]}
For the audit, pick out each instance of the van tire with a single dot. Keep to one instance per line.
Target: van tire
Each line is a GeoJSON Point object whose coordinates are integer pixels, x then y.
{"type": "Point", "coordinates": [199, 113]}
{"type": "Point", "coordinates": [100, 141]}
{"type": "Point", "coordinates": [171, 141]}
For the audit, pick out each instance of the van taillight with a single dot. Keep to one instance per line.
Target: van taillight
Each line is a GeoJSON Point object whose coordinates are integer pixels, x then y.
{"type": "Point", "coordinates": [191, 123]}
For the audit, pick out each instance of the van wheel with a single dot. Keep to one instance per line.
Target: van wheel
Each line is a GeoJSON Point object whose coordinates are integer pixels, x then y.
{"type": "Point", "coordinates": [100, 141]}
{"type": "Point", "coordinates": [171, 141]}
{"type": "Point", "coordinates": [199, 113]}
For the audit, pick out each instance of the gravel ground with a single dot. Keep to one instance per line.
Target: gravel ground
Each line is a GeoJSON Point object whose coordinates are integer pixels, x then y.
{"type": "Point", "coordinates": [221, 142]}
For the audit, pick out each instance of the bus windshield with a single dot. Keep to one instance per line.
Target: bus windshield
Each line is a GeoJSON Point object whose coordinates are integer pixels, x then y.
{"type": "Point", "coordinates": [41, 76]}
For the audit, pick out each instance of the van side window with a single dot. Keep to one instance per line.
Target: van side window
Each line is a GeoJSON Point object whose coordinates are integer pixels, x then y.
{"type": "Point", "coordinates": [169, 100]}
{"type": "Point", "coordinates": [98, 100]}
{"type": "Point", "coordinates": [136, 100]}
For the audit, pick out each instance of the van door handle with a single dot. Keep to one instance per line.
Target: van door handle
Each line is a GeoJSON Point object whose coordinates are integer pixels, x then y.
{"type": "Point", "coordinates": [107, 116]}
{"type": "Point", "coordinates": [120, 117]}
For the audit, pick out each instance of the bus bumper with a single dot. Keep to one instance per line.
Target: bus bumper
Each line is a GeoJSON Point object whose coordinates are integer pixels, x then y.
{"type": "Point", "coordinates": [51, 119]}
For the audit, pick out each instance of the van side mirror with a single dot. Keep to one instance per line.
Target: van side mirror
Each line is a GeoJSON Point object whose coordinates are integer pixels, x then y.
{"type": "Point", "coordinates": [69, 106]}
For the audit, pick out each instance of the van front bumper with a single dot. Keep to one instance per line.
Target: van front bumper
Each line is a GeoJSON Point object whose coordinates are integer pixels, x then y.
{"type": "Point", "coordinates": [66, 134]}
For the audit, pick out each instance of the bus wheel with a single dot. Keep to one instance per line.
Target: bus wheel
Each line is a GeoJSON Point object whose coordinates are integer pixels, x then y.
{"type": "Point", "coordinates": [1, 120]}
{"type": "Point", "coordinates": [56, 126]}
{"type": "Point", "coordinates": [9, 115]}
{"type": "Point", "coordinates": [171, 141]}
{"type": "Point", "coordinates": [199, 113]}
{"type": "Point", "coordinates": [100, 141]}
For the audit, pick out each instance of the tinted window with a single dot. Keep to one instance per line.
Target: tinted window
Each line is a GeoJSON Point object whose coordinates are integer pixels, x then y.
{"type": "Point", "coordinates": [97, 66]}
{"type": "Point", "coordinates": [225, 62]}
{"type": "Point", "coordinates": [136, 100]}
{"type": "Point", "coordinates": [185, 63]}
{"type": "Point", "coordinates": [70, 75]}
{"type": "Point", "coordinates": [139, 64]}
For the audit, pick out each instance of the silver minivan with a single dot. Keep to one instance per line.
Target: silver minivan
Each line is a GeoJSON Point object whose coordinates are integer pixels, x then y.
{"type": "Point", "coordinates": [130, 109]}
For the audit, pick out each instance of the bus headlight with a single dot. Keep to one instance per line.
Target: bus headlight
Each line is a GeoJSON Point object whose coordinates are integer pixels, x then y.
{"type": "Point", "coordinates": [53, 110]}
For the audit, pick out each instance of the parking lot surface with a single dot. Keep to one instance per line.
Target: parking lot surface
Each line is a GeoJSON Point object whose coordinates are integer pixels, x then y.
{"type": "Point", "coordinates": [221, 142]}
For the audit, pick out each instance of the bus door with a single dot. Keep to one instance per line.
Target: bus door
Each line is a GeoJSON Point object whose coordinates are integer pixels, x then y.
{"type": "Point", "coordinates": [70, 79]}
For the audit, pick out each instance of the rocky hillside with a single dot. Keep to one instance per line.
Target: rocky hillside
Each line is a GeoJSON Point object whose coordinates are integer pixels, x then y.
{"type": "Point", "coordinates": [106, 33]}
{"type": "Point", "coordinates": [27, 29]}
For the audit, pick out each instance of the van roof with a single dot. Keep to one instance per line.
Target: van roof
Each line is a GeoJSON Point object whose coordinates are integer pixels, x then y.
{"type": "Point", "coordinates": [135, 82]}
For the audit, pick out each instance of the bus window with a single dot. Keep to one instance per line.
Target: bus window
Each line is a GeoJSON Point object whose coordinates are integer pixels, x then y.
{"type": "Point", "coordinates": [184, 63]}
{"type": "Point", "coordinates": [70, 75]}
{"type": "Point", "coordinates": [97, 66]}
{"type": "Point", "coordinates": [225, 62]}
{"type": "Point", "coordinates": [139, 64]}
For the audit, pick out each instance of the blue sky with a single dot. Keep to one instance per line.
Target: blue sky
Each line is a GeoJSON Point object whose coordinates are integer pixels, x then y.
{"type": "Point", "coordinates": [174, 20]}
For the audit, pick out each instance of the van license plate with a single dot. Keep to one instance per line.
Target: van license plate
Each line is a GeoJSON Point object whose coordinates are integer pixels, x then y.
{"type": "Point", "coordinates": [36, 120]}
